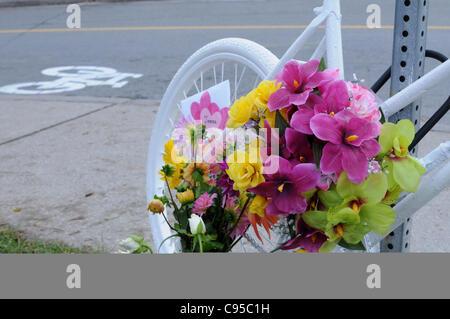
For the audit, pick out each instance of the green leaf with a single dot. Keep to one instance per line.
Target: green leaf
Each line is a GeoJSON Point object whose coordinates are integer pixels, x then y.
{"type": "Point", "coordinates": [316, 219]}
{"type": "Point", "coordinates": [383, 118]}
{"type": "Point", "coordinates": [317, 152]}
{"type": "Point", "coordinates": [212, 245]}
{"type": "Point", "coordinates": [357, 246]}
{"type": "Point", "coordinates": [168, 170]}
{"type": "Point", "coordinates": [280, 123]}
{"type": "Point", "coordinates": [322, 65]}
{"type": "Point", "coordinates": [197, 176]}
{"type": "Point", "coordinates": [379, 217]}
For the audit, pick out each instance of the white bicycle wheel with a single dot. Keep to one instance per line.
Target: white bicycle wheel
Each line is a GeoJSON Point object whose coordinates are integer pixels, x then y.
{"type": "Point", "coordinates": [244, 63]}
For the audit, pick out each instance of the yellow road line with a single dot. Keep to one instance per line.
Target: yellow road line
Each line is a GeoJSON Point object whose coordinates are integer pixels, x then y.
{"type": "Point", "coordinates": [211, 27]}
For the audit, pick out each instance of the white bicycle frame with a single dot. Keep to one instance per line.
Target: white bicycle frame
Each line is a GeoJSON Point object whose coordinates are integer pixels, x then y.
{"type": "Point", "coordinates": [331, 45]}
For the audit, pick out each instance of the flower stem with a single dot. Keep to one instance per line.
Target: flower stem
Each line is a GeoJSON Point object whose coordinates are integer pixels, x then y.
{"type": "Point", "coordinates": [240, 215]}
{"type": "Point", "coordinates": [200, 242]}
{"type": "Point", "coordinates": [233, 244]}
{"type": "Point", "coordinates": [170, 194]}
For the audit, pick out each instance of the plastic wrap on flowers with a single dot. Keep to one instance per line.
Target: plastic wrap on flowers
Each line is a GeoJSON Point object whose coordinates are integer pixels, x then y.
{"type": "Point", "coordinates": [307, 154]}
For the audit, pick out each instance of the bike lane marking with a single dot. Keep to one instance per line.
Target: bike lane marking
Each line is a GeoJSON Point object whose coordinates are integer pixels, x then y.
{"type": "Point", "coordinates": [71, 78]}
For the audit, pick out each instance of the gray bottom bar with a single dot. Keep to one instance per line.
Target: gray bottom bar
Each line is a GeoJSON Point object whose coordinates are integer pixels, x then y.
{"type": "Point", "coordinates": [238, 276]}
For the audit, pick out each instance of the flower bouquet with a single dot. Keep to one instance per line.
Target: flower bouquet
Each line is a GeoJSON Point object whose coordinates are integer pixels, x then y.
{"type": "Point", "coordinates": [307, 152]}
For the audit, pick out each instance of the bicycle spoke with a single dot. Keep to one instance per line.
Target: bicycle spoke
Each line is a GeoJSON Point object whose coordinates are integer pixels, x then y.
{"type": "Point", "coordinates": [256, 81]}
{"type": "Point", "coordinates": [240, 79]}
{"type": "Point", "coordinates": [201, 81]}
{"type": "Point", "coordinates": [195, 83]}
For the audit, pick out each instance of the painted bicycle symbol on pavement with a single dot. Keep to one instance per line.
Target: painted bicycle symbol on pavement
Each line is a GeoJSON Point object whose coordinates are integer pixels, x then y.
{"type": "Point", "coordinates": [71, 78]}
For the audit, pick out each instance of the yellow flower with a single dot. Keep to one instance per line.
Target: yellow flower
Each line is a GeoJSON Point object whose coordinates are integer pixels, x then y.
{"type": "Point", "coordinates": [261, 111]}
{"type": "Point", "coordinates": [258, 205]}
{"type": "Point", "coordinates": [264, 90]}
{"type": "Point", "coordinates": [202, 168]}
{"type": "Point", "coordinates": [186, 197]}
{"type": "Point", "coordinates": [253, 106]}
{"type": "Point", "coordinates": [246, 171]}
{"type": "Point", "coordinates": [240, 112]}
{"type": "Point", "coordinates": [170, 156]}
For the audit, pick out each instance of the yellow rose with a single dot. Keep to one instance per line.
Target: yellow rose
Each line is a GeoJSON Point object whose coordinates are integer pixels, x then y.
{"type": "Point", "coordinates": [262, 94]}
{"type": "Point", "coordinates": [244, 170]}
{"type": "Point", "coordinates": [240, 112]}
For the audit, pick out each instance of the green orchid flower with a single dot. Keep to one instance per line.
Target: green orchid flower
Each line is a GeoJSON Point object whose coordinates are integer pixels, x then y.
{"type": "Point", "coordinates": [353, 209]}
{"type": "Point", "coordinates": [399, 167]}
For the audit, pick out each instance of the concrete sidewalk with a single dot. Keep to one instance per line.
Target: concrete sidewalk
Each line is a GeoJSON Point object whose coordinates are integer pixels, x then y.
{"type": "Point", "coordinates": [76, 169]}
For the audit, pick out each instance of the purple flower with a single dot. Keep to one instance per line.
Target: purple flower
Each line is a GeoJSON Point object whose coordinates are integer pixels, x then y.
{"type": "Point", "coordinates": [286, 185]}
{"type": "Point", "coordinates": [225, 182]}
{"type": "Point", "coordinates": [298, 147]}
{"type": "Point", "coordinates": [203, 203]}
{"type": "Point", "coordinates": [298, 81]}
{"type": "Point", "coordinates": [334, 98]}
{"type": "Point", "coordinates": [350, 143]}
{"type": "Point", "coordinates": [308, 238]}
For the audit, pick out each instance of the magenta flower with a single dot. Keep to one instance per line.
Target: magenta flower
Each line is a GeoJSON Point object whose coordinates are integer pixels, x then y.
{"type": "Point", "coordinates": [298, 146]}
{"type": "Point", "coordinates": [298, 82]}
{"type": "Point", "coordinates": [334, 98]}
{"type": "Point", "coordinates": [203, 203]}
{"type": "Point", "coordinates": [225, 182]}
{"type": "Point", "coordinates": [308, 238]}
{"type": "Point", "coordinates": [350, 143]}
{"type": "Point", "coordinates": [208, 113]}
{"type": "Point", "coordinates": [286, 185]}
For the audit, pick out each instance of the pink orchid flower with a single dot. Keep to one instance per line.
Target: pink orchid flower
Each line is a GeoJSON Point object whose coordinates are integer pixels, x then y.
{"type": "Point", "coordinates": [350, 144]}
{"type": "Point", "coordinates": [298, 82]}
{"type": "Point", "coordinates": [334, 98]}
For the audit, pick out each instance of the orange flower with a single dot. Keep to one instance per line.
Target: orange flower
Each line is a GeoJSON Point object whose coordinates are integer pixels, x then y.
{"type": "Point", "coordinates": [265, 221]}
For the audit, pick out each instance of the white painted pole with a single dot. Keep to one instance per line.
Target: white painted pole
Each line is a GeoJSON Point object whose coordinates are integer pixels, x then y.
{"type": "Point", "coordinates": [335, 58]}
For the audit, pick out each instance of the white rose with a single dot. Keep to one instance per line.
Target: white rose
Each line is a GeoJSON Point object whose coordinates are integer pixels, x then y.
{"type": "Point", "coordinates": [196, 225]}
